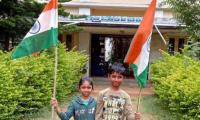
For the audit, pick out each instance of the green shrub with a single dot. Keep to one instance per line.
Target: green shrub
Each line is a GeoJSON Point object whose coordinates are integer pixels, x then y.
{"type": "Point", "coordinates": [9, 94]}
{"type": "Point", "coordinates": [27, 83]}
{"type": "Point", "coordinates": [177, 83]}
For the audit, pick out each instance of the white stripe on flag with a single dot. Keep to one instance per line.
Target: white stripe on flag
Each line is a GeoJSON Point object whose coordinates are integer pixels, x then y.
{"type": "Point", "coordinates": [144, 56]}
{"type": "Point", "coordinates": [47, 21]}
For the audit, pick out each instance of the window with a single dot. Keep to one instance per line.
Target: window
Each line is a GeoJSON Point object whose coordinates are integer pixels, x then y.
{"type": "Point", "coordinates": [69, 42]}
{"type": "Point", "coordinates": [171, 46]}
{"type": "Point", "coordinates": [180, 44]}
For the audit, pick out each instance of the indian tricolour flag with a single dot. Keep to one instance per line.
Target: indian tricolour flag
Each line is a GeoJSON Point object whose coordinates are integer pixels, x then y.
{"type": "Point", "coordinates": [138, 53]}
{"type": "Point", "coordinates": [43, 34]}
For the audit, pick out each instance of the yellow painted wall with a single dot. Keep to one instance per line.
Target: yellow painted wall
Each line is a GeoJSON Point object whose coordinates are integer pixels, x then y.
{"type": "Point", "coordinates": [156, 45]}
{"type": "Point", "coordinates": [72, 10]}
{"type": "Point", "coordinates": [120, 1]}
{"type": "Point", "coordinates": [116, 12]}
{"type": "Point", "coordinates": [63, 37]}
{"type": "Point", "coordinates": [168, 14]}
{"type": "Point", "coordinates": [84, 42]}
{"type": "Point", "coordinates": [75, 40]}
{"type": "Point", "coordinates": [110, 12]}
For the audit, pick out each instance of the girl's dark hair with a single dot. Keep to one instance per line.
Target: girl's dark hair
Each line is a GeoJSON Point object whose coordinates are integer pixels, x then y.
{"type": "Point", "coordinates": [82, 80]}
{"type": "Point", "coordinates": [117, 67]}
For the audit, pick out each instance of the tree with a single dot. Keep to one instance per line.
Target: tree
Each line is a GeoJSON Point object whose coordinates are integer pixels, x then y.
{"type": "Point", "coordinates": [187, 12]}
{"type": "Point", "coordinates": [17, 17]}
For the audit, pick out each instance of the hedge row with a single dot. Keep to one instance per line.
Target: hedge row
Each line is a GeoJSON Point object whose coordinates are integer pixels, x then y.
{"type": "Point", "coordinates": [26, 83]}
{"type": "Point", "coordinates": [177, 83]}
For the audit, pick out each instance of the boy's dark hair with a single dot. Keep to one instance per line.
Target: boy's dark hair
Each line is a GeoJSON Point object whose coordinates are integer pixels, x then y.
{"type": "Point", "coordinates": [82, 80]}
{"type": "Point", "coordinates": [117, 67]}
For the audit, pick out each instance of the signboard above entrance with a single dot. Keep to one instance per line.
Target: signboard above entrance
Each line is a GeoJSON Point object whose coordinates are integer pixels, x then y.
{"type": "Point", "coordinates": [114, 19]}
{"type": "Point", "coordinates": [119, 20]}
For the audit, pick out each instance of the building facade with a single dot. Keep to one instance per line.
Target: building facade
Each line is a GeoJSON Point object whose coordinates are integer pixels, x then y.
{"type": "Point", "coordinates": [109, 27]}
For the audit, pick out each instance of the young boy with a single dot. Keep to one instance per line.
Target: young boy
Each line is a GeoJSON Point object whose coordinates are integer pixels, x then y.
{"type": "Point", "coordinates": [113, 103]}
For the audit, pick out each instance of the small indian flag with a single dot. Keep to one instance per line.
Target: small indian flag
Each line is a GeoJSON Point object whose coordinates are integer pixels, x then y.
{"type": "Point", "coordinates": [138, 53]}
{"type": "Point", "coordinates": [42, 35]}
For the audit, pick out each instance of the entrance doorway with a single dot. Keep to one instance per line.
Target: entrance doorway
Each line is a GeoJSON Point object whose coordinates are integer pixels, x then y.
{"type": "Point", "coordinates": [105, 49]}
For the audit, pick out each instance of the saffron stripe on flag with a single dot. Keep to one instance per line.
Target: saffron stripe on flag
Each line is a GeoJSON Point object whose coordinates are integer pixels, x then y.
{"type": "Point", "coordinates": [138, 54]}
{"type": "Point", "coordinates": [51, 5]}
{"type": "Point", "coordinates": [141, 35]}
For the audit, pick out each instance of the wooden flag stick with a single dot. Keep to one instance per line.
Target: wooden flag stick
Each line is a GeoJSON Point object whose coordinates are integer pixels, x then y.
{"type": "Point", "coordinates": [138, 102]}
{"type": "Point", "coordinates": [55, 78]}
{"type": "Point", "coordinates": [160, 34]}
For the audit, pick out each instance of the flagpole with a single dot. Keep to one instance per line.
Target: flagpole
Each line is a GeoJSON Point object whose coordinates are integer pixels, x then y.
{"type": "Point", "coordinates": [55, 78]}
{"type": "Point", "coordinates": [138, 101]}
{"type": "Point", "coordinates": [160, 34]}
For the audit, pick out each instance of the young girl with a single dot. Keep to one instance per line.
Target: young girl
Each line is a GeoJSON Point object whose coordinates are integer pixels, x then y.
{"type": "Point", "coordinates": [81, 108]}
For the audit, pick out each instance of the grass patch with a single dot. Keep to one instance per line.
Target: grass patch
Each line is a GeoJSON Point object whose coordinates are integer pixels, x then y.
{"type": "Point", "coordinates": [151, 105]}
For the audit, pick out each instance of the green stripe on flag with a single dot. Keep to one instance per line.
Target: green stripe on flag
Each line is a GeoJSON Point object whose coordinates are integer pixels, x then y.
{"type": "Point", "coordinates": [142, 78]}
{"type": "Point", "coordinates": [36, 43]}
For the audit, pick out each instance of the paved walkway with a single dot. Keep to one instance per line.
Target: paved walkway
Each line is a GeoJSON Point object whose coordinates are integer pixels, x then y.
{"type": "Point", "coordinates": [129, 85]}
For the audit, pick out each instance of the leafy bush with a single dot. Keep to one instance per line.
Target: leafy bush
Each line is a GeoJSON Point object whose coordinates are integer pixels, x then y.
{"type": "Point", "coordinates": [177, 83]}
{"type": "Point", "coordinates": [27, 83]}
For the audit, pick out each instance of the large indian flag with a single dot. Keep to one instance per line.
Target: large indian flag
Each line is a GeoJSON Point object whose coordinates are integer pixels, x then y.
{"type": "Point", "coordinates": [43, 34]}
{"type": "Point", "coordinates": [138, 53]}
